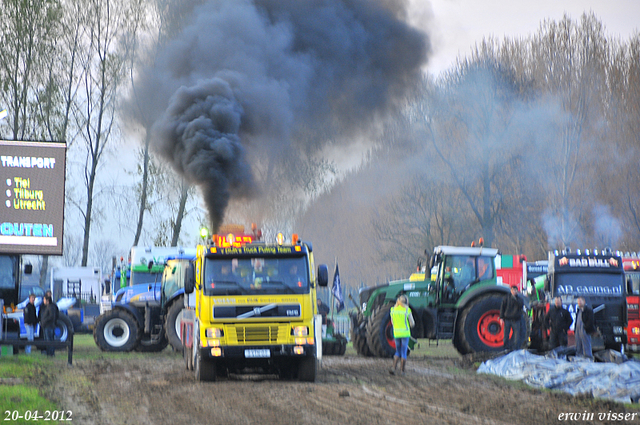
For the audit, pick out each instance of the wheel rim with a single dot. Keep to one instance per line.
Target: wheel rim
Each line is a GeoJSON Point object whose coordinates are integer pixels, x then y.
{"type": "Point", "coordinates": [490, 330]}
{"type": "Point", "coordinates": [177, 323]}
{"type": "Point", "coordinates": [388, 334]}
{"type": "Point", "coordinates": [61, 332]}
{"type": "Point", "coordinates": [116, 332]}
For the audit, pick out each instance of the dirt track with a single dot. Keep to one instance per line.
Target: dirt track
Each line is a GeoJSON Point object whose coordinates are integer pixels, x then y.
{"type": "Point", "coordinates": [156, 389]}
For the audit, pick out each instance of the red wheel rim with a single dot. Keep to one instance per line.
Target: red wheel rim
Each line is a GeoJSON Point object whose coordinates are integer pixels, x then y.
{"type": "Point", "coordinates": [388, 333]}
{"type": "Point", "coordinates": [490, 330]}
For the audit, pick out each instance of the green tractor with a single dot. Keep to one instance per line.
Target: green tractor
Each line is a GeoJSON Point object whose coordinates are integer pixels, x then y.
{"type": "Point", "coordinates": [333, 343]}
{"type": "Point", "coordinates": [460, 300]}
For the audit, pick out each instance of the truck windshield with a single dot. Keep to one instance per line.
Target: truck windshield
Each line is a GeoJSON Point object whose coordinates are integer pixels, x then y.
{"type": "Point", "coordinates": [589, 284]}
{"type": "Point", "coordinates": [635, 279]}
{"type": "Point", "coordinates": [245, 276]}
{"type": "Point", "coordinates": [138, 278]}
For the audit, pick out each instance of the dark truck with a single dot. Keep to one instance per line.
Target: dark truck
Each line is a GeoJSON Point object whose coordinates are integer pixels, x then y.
{"type": "Point", "coordinates": [599, 278]}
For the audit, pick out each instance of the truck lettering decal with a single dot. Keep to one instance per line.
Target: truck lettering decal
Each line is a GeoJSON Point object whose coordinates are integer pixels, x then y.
{"type": "Point", "coordinates": [257, 311]}
{"type": "Point", "coordinates": [589, 290]}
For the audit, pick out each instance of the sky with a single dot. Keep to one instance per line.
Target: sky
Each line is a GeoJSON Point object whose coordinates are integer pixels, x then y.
{"type": "Point", "coordinates": [456, 26]}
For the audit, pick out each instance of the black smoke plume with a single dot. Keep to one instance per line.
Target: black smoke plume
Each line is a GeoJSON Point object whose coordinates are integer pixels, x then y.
{"type": "Point", "coordinates": [251, 74]}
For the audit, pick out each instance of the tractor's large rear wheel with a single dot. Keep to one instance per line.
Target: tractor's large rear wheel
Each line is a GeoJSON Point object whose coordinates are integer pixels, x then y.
{"type": "Point", "coordinates": [380, 332]}
{"type": "Point", "coordinates": [64, 328]}
{"type": "Point", "coordinates": [172, 324]}
{"type": "Point", "coordinates": [116, 330]}
{"type": "Point", "coordinates": [359, 336]}
{"type": "Point", "coordinates": [480, 330]}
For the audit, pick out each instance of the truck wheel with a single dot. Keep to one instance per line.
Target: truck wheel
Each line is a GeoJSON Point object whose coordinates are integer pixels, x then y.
{"type": "Point", "coordinates": [64, 328]}
{"type": "Point", "coordinates": [359, 336]}
{"type": "Point", "coordinates": [116, 330]}
{"type": "Point", "coordinates": [187, 353]}
{"type": "Point", "coordinates": [205, 369]}
{"type": "Point", "coordinates": [307, 369]}
{"type": "Point", "coordinates": [172, 324]}
{"type": "Point", "coordinates": [147, 345]}
{"type": "Point", "coordinates": [479, 327]}
{"type": "Point", "coordinates": [380, 332]}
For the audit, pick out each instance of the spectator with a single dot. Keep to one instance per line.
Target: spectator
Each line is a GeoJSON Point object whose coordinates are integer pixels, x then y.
{"type": "Point", "coordinates": [30, 320]}
{"type": "Point", "coordinates": [402, 321]}
{"type": "Point", "coordinates": [584, 328]}
{"type": "Point", "coordinates": [559, 320]}
{"type": "Point", "coordinates": [47, 293]}
{"type": "Point", "coordinates": [48, 322]}
{"type": "Point", "coordinates": [511, 317]}
{"type": "Point", "coordinates": [323, 310]}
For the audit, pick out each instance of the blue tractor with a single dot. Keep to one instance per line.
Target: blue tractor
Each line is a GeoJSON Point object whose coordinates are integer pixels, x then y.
{"type": "Point", "coordinates": [146, 315]}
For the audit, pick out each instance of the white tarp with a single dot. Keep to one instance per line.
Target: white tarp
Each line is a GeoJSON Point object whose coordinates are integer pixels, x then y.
{"type": "Point", "coordinates": [619, 382]}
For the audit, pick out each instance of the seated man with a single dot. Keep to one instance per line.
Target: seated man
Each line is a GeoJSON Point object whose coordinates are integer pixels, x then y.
{"type": "Point", "coordinates": [323, 310]}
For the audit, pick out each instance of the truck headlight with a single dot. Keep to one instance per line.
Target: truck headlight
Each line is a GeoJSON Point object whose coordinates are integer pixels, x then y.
{"type": "Point", "coordinates": [214, 333]}
{"type": "Point", "coordinates": [300, 331]}
{"type": "Point", "coordinates": [617, 329]}
{"type": "Point", "coordinates": [635, 331]}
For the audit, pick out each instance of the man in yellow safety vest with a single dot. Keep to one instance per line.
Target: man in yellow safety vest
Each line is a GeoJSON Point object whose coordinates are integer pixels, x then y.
{"type": "Point", "coordinates": [402, 321]}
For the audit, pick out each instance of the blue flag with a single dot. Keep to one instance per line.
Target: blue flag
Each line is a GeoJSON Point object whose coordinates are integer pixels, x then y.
{"type": "Point", "coordinates": [336, 290]}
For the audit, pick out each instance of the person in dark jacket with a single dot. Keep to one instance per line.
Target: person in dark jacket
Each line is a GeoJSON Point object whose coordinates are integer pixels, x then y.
{"type": "Point", "coordinates": [48, 322]}
{"type": "Point", "coordinates": [585, 326]}
{"type": "Point", "coordinates": [511, 317]}
{"type": "Point", "coordinates": [559, 320]}
{"type": "Point", "coordinates": [30, 320]}
{"type": "Point", "coordinates": [46, 294]}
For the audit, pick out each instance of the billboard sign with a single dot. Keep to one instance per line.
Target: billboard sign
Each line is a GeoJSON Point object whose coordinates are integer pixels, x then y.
{"type": "Point", "coordinates": [32, 176]}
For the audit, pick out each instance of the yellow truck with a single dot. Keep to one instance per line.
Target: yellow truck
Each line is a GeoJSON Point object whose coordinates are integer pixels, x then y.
{"type": "Point", "coordinates": [251, 307]}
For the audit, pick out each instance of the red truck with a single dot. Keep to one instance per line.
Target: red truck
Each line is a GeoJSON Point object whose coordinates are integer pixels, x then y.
{"type": "Point", "coordinates": [631, 265]}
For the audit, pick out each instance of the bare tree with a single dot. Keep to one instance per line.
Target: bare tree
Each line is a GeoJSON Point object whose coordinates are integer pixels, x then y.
{"type": "Point", "coordinates": [469, 121]}
{"type": "Point", "coordinates": [28, 34]}
{"type": "Point", "coordinates": [568, 63]}
{"type": "Point", "coordinates": [111, 23]}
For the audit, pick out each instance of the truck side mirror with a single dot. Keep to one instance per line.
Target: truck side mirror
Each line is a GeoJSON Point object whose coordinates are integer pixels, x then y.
{"type": "Point", "coordinates": [432, 262]}
{"type": "Point", "coordinates": [323, 275]}
{"type": "Point", "coordinates": [189, 280]}
{"type": "Point", "coordinates": [28, 269]}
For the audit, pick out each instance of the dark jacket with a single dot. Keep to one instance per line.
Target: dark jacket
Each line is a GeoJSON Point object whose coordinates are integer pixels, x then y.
{"type": "Point", "coordinates": [49, 315]}
{"type": "Point", "coordinates": [558, 319]}
{"type": "Point", "coordinates": [511, 308]}
{"type": "Point", "coordinates": [30, 316]}
{"type": "Point", "coordinates": [588, 320]}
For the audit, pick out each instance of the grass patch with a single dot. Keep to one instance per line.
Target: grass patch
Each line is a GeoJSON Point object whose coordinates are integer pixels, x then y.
{"type": "Point", "coordinates": [23, 377]}
{"type": "Point", "coordinates": [444, 349]}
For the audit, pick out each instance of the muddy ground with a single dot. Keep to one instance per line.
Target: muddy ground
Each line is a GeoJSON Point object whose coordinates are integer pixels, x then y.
{"type": "Point", "coordinates": [350, 390]}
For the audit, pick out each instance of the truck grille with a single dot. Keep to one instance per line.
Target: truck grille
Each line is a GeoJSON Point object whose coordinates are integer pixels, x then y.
{"type": "Point", "coordinates": [253, 334]}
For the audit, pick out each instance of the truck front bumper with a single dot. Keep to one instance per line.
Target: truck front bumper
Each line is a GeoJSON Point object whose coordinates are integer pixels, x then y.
{"type": "Point", "coordinates": [257, 352]}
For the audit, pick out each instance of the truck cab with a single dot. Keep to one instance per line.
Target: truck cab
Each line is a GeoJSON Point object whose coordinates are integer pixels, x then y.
{"type": "Point", "coordinates": [599, 278]}
{"type": "Point", "coordinates": [631, 264]}
{"type": "Point", "coordinates": [254, 308]}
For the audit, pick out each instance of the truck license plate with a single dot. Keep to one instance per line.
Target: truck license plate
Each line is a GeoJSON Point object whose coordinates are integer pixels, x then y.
{"type": "Point", "coordinates": [257, 354]}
